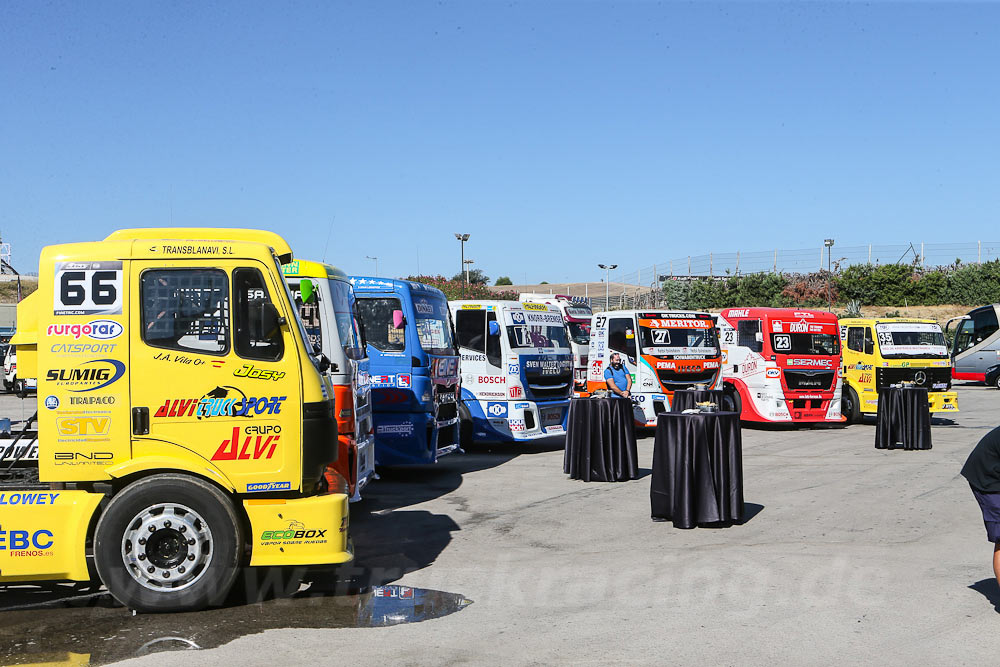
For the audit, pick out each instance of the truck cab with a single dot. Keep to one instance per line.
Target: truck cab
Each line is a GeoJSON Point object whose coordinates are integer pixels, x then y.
{"type": "Point", "coordinates": [326, 303]}
{"type": "Point", "coordinates": [662, 350]}
{"type": "Point", "coordinates": [517, 370]}
{"type": "Point", "coordinates": [878, 353]}
{"type": "Point", "coordinates": [782, 364]}
{"type": "Point", "coordinates": [183, 425]}
{"type": "Point", "coordinates": [577, 318]}
{"type": "Point", "coordinates": [414, 369]}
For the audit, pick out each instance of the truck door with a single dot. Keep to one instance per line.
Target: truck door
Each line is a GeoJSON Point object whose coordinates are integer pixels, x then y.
{"type": "Point", "coordinates": [215, 370]}
{"type": "Point", "coordinates": [621, 338]}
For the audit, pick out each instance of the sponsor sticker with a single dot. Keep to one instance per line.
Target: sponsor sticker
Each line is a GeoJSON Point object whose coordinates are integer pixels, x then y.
{"type": "Point", "coordinates": [257, 487]}
{"type": "Point", "coordinates": [88, 376]}
{"type": "Point", "coordinates": [254, 373]}
{"type": "Point", "coordinates": [95, 330]}
{"type": "Point", "coordinates": [51, 402]}
{"type": "Point", "coordinates": [496, 409]}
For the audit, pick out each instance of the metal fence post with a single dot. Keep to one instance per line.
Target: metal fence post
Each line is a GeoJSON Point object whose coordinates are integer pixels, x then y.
{"type": "Point", "coordinates": [869, 253]}
{"type": "Point", "coordinates": [980, 260]}
{"type": "Point", "coordinates": [776, 261]}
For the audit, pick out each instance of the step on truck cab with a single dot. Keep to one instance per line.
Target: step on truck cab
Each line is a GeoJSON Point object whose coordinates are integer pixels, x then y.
{"type": "Point", "coordinates": [975, 344]}
{"type": "Point", "coordinates": [782, 364]}
{"type": "Point", "coordinates": [183, 424]}
{"type": "Point", "coordinates": [663, 350]}
{"type": "Point", "coordinates": [414, 369]}
{"type": "Point", "coordinates": [326, 303]}
{"type": "Point", "coordinates": [881, 352]}
{"type": "Point", "coordinates": [517, 370]}
{"type": "Point", "coordinates": [577, 318]}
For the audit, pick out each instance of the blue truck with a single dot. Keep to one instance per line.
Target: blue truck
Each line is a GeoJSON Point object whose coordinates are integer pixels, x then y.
{"type": "Point", "coordinates": [414, 369]}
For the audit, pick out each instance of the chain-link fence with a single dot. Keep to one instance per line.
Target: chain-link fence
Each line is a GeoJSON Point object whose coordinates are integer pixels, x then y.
{"type": "Point", "coordinates": [807, 260]}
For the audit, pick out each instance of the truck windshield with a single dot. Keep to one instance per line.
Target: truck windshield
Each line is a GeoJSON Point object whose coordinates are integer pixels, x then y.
{"type": "Point", "coordinates": [904, 339]}
{"type": "Point", "coordinates": [537, 335]}
{"type": "Point", "coordinates": [433, 325]}
{"type": "Point", "coordinates": [805, 343]}
{"type": "Point", "coordinates": [343, 310]}
{"type": "Point", "coordinates": [697, 337]}
{"type": "Point", "coordinates": [579, 332]}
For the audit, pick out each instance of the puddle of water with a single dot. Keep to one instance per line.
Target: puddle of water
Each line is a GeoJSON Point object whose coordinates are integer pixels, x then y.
{"type": "Point", "coordinates": [73, 626]}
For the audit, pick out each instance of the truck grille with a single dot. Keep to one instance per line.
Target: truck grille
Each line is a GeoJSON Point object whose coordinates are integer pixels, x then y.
{"type": "Point", "coordinates": [542, 387]}
{"type": "Point", "coordinates": [809, 380]}
{"type": "Point", "coordinates": [673, 380]}
{"type": "Point", "coordinates": [928, 377]}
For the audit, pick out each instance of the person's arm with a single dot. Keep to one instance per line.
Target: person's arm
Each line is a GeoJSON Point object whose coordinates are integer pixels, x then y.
{"type": "Point", "coordinates": [628, 380]}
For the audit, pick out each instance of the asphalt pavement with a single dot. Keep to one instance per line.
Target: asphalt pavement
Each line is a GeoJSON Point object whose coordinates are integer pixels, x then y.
{"type": "Point", "coordinates": [850, 554]}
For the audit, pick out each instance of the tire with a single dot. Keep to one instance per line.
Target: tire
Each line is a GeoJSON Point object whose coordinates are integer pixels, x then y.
{"type": "Point", "coordinates": [996, 382]}
{"type": "Point", "coordinates": [850, 406]}
{"type": "Point", "coordinates": [737, 402]}
{"type": "Point", "coordinates": [195, 578]}
{"type": "Point", "coordinates": [464, 425]}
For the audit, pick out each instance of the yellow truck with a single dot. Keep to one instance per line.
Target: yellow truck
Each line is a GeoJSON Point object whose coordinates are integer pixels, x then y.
{"type": "Point", "coordinates": [877, 353]}
{"type": "Point", "coordinates": [183, 423]}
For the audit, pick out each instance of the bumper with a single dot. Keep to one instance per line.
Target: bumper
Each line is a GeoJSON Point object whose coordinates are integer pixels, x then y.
{"type": "Point", "coordinates": [46, 537]}
{"type": "Point", "coordinates": [408, 438]}
{"type": "Point", "coordinates": [300, 531]}
{"type": "Point", "coordinates": [524, 420]}
{"type": "Point", "coordinates": [943, 401]}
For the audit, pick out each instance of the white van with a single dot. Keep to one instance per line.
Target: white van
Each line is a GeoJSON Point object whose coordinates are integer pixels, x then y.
{"type": "Point", "coordinates": [517, 370]}
{"type": "Point", "coordinates": [11, 382]}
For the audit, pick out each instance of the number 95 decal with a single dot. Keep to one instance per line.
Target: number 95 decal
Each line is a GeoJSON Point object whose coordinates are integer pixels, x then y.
{"type": "Point", "coordinates": [88, 288]}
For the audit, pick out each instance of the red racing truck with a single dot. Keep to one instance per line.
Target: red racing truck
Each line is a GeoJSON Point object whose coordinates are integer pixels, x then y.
{"type": "Point", "coordinates": [782, 364]}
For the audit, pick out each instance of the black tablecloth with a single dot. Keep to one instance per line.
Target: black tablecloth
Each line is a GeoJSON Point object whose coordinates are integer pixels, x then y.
{"type": "Point", "coordinates": [904, 419]}
{"type": "Point", "coordinates": [600, 440]}
{"type": "Point", "coordinates": [697, 469]}
{"type": "Point", "coordinates": [685, 399]}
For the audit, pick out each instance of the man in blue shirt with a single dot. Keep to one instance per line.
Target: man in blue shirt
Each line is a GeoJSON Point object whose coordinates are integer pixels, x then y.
{"type": "Point", "coordinates": [618, 379]}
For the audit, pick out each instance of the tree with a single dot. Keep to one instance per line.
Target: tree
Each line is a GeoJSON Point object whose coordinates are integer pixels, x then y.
{"type": "Point", "coordinates": [503, 280]}
{"type": "Point", "coordinates": [476, 277]}
{"type": "Point", "coordinates": [544, 282]}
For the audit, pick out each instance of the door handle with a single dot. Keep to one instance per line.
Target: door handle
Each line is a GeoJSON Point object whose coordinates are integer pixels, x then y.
{"type": "Point", "coordinates": [140, 421]}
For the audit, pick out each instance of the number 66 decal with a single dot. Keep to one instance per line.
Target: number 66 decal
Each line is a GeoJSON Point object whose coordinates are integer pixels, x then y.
{"type": "Point", "coordinates": [88, 288]}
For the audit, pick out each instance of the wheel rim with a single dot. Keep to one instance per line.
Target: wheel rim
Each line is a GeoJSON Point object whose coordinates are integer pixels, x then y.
{"type": "Point", "coordinates": [167, 547]}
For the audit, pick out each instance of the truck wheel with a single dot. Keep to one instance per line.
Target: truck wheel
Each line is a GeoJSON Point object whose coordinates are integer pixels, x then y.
{"type": "Point", "coordinates": [168, 543]}
{"type": "Point", "coordinates": [464, 425]}
{"type": "Point", "coordinates": [735, 402]}
{"type": "Point", "coordinates": [850, 407]}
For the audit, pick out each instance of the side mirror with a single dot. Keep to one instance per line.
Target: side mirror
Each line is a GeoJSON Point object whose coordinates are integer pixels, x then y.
{"type": "Point", "coordinates": [308, 290]}
{"type": "Point", "coordinates": [759, 337]}
{"type": "Point", "coordinates": [494, 328]}
{"type": "Point", "coordinates": [869, 346]}
{"type": "Point", "coordinates": [354, 353]}
{"type": "Point", "coordinates": [266, 319]}
{"type": "Point", "coordinates": [398, 320]}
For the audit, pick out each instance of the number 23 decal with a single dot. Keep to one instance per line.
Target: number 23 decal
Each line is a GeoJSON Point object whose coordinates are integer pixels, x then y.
{"type": "Point", "coordinates": [88, 288]}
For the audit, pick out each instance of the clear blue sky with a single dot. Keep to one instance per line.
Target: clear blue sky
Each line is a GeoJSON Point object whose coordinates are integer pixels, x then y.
{"type": "Point", "coordinates": [559, 134]}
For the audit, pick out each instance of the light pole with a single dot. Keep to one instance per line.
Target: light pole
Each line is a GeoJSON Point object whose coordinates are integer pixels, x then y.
{"type": "Point", "coordinates": [462, 238]}
{"type": "Point", "coordinates": [829, 263]}
{"type": "Point", "coordinates": [376, 263]}
{"type": "Point", "coordinates": [607, 281]}
{"type": "Point", "coordinates": [466, 262]}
